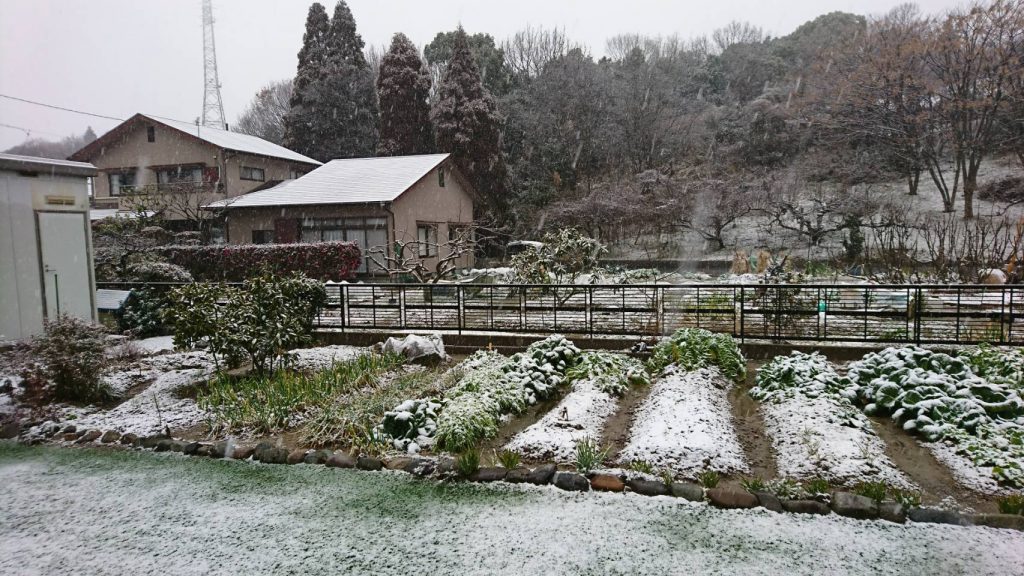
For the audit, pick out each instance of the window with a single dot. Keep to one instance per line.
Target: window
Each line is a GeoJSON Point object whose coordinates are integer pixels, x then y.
{"type": "Point", "coordinates": [123, 182]}
{"type": "Point", "coordinates": [262, 236]}
{"type": "Point", "coordinates": [365, 232]}
{"type": "Point", "coordinates": [295, 173]}
{"type": "Point", "coordinates": [250, 173]}
{"type": "Point", "coordinates": [426, 239]}
{"type": "Point", "coordinates": [455, 230]}
{"type": "Point", "coordinates": [440, 177]}
{"type": "Point", "coordinates": [151, 133]}
{"type": "Point", "coordinates": [180, 175]}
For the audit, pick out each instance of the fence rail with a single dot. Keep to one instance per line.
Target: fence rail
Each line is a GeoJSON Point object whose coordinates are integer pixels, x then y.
{"type": "Point", "coordinates": [925, 314]}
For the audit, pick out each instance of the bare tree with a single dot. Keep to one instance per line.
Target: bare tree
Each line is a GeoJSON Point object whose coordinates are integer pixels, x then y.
{"type": "Point", "coordinates": [264, 117]}
{"type": "Point", "coordinates": [529, 49]}
{"type": "Point", "coordinates": [736, 32]}
{"type": "Point", "coordinates": [715, 206]}
{"type": "Point", "coordinates": [814, 211]}
{"type": "Point", "coordinates": [973, 54]}
{"type": "Point", "coordinates": [429, 261]}
{"type": "Point", "coordinates": [964, 251]}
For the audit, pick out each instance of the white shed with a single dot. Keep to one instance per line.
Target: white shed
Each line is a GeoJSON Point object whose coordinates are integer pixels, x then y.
{"type": "Point", "coordinates": [45, 243]}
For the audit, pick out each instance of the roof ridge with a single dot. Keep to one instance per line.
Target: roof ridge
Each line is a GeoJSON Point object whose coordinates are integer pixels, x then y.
{"type": "Point", "coordinates": [390, 157]}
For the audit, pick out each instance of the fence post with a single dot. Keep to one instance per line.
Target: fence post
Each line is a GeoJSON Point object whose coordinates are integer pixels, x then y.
{"type": "Point", "coordinates": [918, 308]}
{"type": "Point", "coordinates": [590, 311]}
{"type": "Point", "coordinates": [743, 319]}
{"type": "Point", "coordinates": [343, 294]}
{"type": "Point", "coordinates": [459, 302]}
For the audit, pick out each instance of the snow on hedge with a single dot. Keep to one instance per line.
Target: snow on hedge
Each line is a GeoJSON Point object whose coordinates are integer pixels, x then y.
{"type": "Point", "coordinates": [685, 425]}
{"type": "Point", "coordinates": [815, 431]}
{"type": "Point", "coordinates": [598, 379]}
{"type": "Point", "coordinates": [941, 398]}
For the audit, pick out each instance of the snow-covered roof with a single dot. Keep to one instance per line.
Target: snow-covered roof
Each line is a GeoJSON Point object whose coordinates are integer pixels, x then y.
{"type": "Point", "coordinates": [110, 299]}
{"type": "Point", "coordinates": [350, 181]}
{"type": "Point", "coordinates": [104, 213]}
{"type": "Point", "coordinates": [220, 138]}
{"type": "Point", "coordinates": [51, 165]}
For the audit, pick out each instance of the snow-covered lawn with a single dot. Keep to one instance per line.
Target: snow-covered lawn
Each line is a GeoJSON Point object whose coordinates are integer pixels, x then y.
{"type": "Point", "coordinates": [98, 512]}
{"type": "Point", "coordinates": [581, 414]}
{"type": "Point", "coordinates": [685, 425]}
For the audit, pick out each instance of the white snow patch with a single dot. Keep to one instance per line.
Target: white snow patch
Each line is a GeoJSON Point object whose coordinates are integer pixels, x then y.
{"type": "Point", "coordinates": [553, 437]}
{"type": "Point", "coordinates": [320, 358]}
{"type": "Point", "coordinates": [156, 344]}
{"type": "Point", "coordinates": [685, 425]}
{"type": "Point", "coordinates": [827, 437]}
{"type": "Point", "coordinates": [965, 471]}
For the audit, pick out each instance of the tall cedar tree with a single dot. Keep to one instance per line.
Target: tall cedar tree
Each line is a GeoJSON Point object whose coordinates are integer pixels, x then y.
{"type": "Point", "coordinates": [468, 126]}
{"type": "Point", "coordinates": [301, 120]}
{"type": "Point", "coordinates": [334, 112]}
{"type": "Point", "coordinates": [403, 88]}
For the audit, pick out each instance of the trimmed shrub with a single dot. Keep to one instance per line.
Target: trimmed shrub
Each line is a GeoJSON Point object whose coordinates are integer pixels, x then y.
{"type": "Point", "coordinates": [260, 322]}
{"type": "Point", "coordinates": [141, 316]}
{"type": "Point", "coordinates": [611, 373]}
{"type": "Point", "coordinates": [151, 271]}
{"type": "Point", "coordinates": [71, 357]}
{"type": "Point", "coordinates": [232, 263]}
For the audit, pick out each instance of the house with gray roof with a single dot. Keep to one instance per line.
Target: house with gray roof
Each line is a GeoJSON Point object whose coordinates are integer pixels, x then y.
{"type": "Point", "coordinates": [178, 167]}
{"type": "Point", "coordinates": [422, 201]}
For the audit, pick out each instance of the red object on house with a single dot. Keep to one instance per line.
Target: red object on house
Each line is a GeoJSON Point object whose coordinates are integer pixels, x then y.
{"type": "Point", "coordinates": [286, 230]}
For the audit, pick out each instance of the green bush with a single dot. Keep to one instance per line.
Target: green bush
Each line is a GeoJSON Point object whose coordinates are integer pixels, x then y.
{"type": "Point", "coordinates": [142, 314]}
{"type": "Point", "coordinates": [809, 374]}
{"type": "Point", "coordinates": [589, 454]}
{"type": "Point", "coordinates": [321, 260]}
{"type": "Point", "coordinates": [541, 369]}
{"type": "Point", "coordinates": [260, 321]}
{"type": "Point", "coordinates": [695, 348]}
{"type": "Point", "coordinates": [1000, 367]}
{"type": "Point", "coordinates": [610, 373]}
{"type": "Point", "coordinates": [408, 422]}
{"type": "Point", "coordinates": [71, 357]}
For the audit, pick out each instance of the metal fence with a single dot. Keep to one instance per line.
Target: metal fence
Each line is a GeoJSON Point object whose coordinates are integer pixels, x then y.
{"type": "Point", "coordinates": [925, 314]}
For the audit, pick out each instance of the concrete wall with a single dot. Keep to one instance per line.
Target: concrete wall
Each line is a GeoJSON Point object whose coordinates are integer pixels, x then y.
{"type": "Point", "coordinates": [21, 280]}
{"type": "Point", "coordinates": [172, 148]}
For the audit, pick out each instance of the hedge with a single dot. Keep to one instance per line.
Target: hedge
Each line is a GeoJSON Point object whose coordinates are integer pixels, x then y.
{"type": "Point", "coordinates": [236, 262]}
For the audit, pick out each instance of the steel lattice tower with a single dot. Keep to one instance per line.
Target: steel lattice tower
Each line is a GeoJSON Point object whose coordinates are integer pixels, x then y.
{"type": "Point", "coordinates": [213, 107]}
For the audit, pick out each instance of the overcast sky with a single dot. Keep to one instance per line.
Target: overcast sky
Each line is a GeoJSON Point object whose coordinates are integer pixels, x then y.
{"type": "Point", "coordinates": [118, 57]}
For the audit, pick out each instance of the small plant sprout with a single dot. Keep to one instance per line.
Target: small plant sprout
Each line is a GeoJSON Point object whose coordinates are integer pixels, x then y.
{"type": "Point", "coordinates": [874, 490]}
{"type": "Point", "coordinates": [642, 466]}
{"type": "Point", "coordinates": [667, 476]}
{"type": "Point", "coordinates": [589, 454]}
{"type": "Point", "coordinates": [467, 463]}
{"type": "Point", "coordinates": [786, 489]}
{"type": "Point", "coordinates": [906, 498]}
{"type": "Point", "coordinates": [507, 458]}
{"type": "Point", "coordinates": [1012, 504]}
{"type": "Point", "coordinates": [753, 484]}
{"type": "Point", "coordinates": [817, 487]}
{"type": "Point", "coordinates": [708, 478]}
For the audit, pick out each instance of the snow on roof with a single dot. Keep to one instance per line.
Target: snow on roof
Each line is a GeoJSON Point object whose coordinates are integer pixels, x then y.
{"type": "Point", "coordinates": [351, 181]}
{"type": "Point", "coordinates": [104, 213]}
{"type": "Point", "coordinates": [35, 163]}
{"type": "Point", "coordinates": [233, 140]}
{"type": "Point", "coordinates": [110, 299]}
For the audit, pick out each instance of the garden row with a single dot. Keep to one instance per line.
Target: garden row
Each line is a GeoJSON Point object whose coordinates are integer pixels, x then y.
{"type": "Point", "coordinates": [785, 496]}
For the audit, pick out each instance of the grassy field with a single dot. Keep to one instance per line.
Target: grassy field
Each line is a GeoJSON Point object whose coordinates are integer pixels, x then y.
{"type": "Point", "coordinates": [65, 511]}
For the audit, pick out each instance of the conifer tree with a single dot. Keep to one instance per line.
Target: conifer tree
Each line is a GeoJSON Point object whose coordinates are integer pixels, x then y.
{"type": "Point", "coordinates": [301, 119]}
{"type": "Point", "coordinates": [403, 90]}
{"type": "Point", "coordinates": [468, 125]}
{"type": "Point", "coordinates": [348, 111]}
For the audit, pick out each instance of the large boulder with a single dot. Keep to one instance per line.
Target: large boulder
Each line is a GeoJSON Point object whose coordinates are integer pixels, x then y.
{"type": "Point", "coordinates": [427, 349]}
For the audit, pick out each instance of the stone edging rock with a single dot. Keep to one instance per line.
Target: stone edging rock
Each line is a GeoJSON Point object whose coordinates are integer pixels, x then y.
{"type": "Point", "coordinates": [841, 503]}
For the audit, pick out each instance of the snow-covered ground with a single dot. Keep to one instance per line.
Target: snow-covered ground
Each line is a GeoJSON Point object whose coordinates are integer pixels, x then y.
{"type": "Point", "coordinates": [158, 404]}
{"type": "Point", "coordinates": [95, 512]}
{"type": "Point", "coordinates": [827, 437]}
{"type": "Point", "coordinates": [311, 359]}
{"type": "Point", "coordinates": [581, 414]}
{"type": "Point", "coordinates": [685, 425]}
{"type": "Point", "coordinates": [965, 471]}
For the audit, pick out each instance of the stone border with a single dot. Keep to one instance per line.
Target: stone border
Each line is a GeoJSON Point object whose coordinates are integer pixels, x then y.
{"type": "Point", "coordinates": [842, 503]}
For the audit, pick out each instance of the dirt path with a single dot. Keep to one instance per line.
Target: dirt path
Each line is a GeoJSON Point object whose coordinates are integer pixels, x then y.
{"type": "Point", "coordinates": [516, 425]}
{"type": "Point", "coordinates": [616, 429]}
{"type": "Point", "coordinates": [935, 480]}
{"type": "Point", "coordinates": [749, 424]}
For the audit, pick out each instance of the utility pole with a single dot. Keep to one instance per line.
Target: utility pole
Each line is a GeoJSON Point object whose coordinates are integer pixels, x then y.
{"type": "Point", "coordinates": [213, 107]}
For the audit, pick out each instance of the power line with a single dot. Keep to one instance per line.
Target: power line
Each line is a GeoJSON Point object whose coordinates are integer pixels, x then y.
{"type": "Point", "coordinates": [60, 108]}
{"type": "Point", "coordinates": [28, 131]}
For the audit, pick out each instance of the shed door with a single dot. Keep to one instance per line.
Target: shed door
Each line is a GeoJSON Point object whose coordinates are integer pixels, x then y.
{"type": "Point", "coordinates": [65, 264]}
